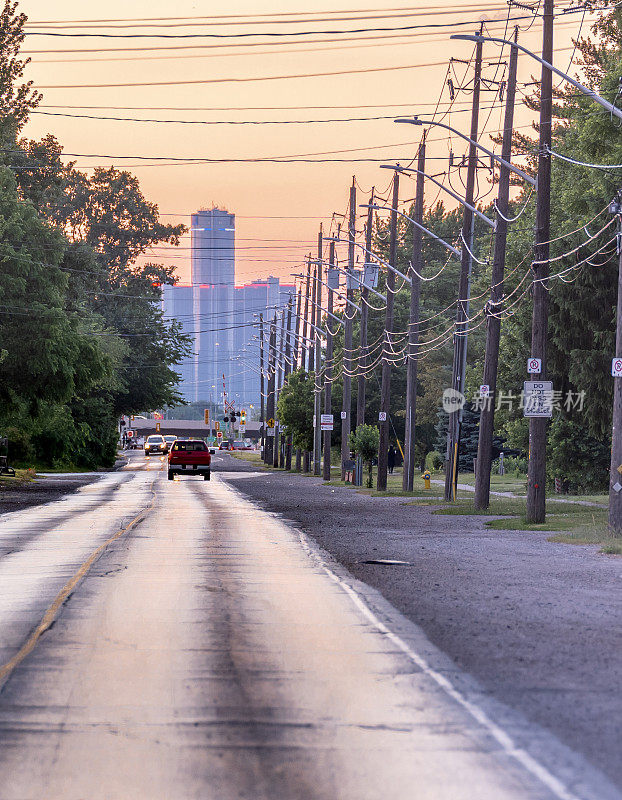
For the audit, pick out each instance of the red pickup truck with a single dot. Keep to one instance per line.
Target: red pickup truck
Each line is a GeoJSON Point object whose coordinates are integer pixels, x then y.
{"type": "Point", "coordinates": [189, 457]}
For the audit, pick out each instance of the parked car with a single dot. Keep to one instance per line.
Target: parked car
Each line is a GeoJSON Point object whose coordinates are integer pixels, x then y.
{"type": "Point", "coordinates": [189, 457]}
{"type": "Point", "coordinates": [155, 444]}
{"type": "Point", "coordinates": [240, 444]}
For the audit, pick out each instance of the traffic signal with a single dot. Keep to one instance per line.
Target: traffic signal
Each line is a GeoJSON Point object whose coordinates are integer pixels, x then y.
{"type": "Point", "coordinates": [157, 427]}
{"type": "Point", "coordinates": [243, 417]}
{"type": "Point", "coordinates": [206, 416]}
{"type": "Point", "coordinates": [217, 425]}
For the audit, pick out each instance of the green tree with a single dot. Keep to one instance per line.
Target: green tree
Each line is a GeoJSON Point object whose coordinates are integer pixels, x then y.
{"type": "Point", "coordinates": [295, 408]}
{"type": "Point", "coordinates": [364, 441]}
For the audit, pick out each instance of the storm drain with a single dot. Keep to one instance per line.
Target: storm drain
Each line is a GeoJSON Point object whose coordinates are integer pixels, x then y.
{"type": "Point", "coordinates": [388, 562]}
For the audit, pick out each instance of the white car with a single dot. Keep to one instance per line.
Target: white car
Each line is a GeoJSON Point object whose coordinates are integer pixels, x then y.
{"type": "Point", "coordinates": [155, 444]}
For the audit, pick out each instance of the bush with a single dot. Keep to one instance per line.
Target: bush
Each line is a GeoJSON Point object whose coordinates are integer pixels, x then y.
{"type": "Point", "coordinates": [434, 461]}
{"type": "Point", "coordinates": [514, 465]}
{"type": "Point", "coordinates": [364, 441]}
{"type": "Point", "coordinates": [20, 447]}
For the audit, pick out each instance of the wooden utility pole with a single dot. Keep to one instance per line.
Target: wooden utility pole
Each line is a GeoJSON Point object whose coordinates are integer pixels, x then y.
{"type": "Point", "coordinates": [270, 403]}
{"type": "Point", "coordinates": [288, 366]}
{"type": "Point", "coordinates": [615, 478]}
{"type": "Point", "coordinates": [387, 349]}
{"type": "Point", "coordinates": [262, 415]}
{"type": "Point", "coordinates": [317, 383]}
{"type": "Point", "coordinates": [536, 474]}
{"type": "Point", "coordinates": [347, 344]}
{"type": "Point", "coordinates": [362, 359]}
{"type": "Point", "coordinates": [305, 322]}
{"type": "Point", "coordinates": [328, 372]}
{"type": "Point", "coordinates": [460, 335]}
{"type": "Point", "coordinates": [297, 329]}
{"type": "Point", "coordinates": [278, 456]}
{"type": "Point", "coordinates": [312, 310]}
{"type": "Point", "coordinates": [408, 474]}
{"type": "Point", "coordinates": [493, 323]}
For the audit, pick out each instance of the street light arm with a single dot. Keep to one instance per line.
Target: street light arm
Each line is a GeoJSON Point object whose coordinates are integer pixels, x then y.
{"type": "Point", "coordinates": [376, 258]}
{"type": "Point", "coordinates": [449, 247]}
{"type": "Point", "coordinates": [417, 121]}
{"type": "Point", "coordinates": [453, 194]}
{"type": "Point", "coordinates": [583, 89]}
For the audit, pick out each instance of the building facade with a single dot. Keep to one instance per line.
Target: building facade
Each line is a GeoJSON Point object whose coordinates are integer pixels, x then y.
{"type": "Point", "coordinates": [220, 316]}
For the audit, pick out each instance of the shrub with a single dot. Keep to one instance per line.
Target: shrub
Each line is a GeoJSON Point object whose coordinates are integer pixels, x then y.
{"type": "Point", "coordinates": [434, 461]}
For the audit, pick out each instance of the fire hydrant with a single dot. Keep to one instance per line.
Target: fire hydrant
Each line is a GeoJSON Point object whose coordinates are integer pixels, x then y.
{"type": "Point", "coordinates": [426, 480]}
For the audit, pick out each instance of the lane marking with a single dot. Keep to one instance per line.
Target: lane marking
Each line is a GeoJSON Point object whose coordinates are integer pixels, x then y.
{"type": "Point", "coordinates": [507, 744]}
{"type": "Point", "coordinates": [52, 611]}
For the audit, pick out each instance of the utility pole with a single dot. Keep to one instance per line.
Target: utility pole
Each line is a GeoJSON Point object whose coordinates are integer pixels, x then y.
{"type": "Point", "coordinates": [262, 415]}
{"type": "Point", "coordinates": [317, 384]}
{"type": "Point", "coordinates": [493, 323]}
{"type": "Point", "coordinates": [347, 345]}
{"type": "Point", "coordinates": [615, 479]}
{"type": "Point", "coordinates": [408, 474]}
{"type": "Point", "coordinates": [297, 329]}
{"type": "Point", "coordinates": [288, 363]}
{"type": "Point", "coordinates": [270, 404]}
{"type": "Point", "coordinates": [536, 475]}
{"type": "Point", "coordinates": [278, 458]}
{"type": "Point", "coordinates": [328, 372]}
{"type": "Point", "coordinates": [385, 391]}
{"type": "Point", "coordinates": [362, 359]}
{"type": "Point", "coordinates": [460, 335]}
{"type": "Point", "coordinates": [312, 310]}
{"type": "Point", "coordinates": [303, 344]}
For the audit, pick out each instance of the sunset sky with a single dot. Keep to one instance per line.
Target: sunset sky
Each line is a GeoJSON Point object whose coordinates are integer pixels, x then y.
{"type": "Point", "coordinates": [278, 206]}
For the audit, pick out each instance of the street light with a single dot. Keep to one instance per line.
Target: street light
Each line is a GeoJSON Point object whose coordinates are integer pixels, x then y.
{"type": "Point", "coordinates": [416, 121]}
{"type": "Point", "coordinates": [374, 256]}
{"type": "Point", "coordinates": [449, 247]}
{"type": "Point", "coordinates": [461, 200]}
{"type": "Point", "coordinates": [468, 37]}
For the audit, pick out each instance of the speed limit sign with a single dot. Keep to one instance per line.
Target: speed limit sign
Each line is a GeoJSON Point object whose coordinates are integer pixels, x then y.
{"type": "Point", "coordinates": [616, 367]}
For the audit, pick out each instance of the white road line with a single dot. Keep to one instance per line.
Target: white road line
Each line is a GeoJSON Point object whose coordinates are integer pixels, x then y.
{"type": "Point", "coordinates": [506, 743]}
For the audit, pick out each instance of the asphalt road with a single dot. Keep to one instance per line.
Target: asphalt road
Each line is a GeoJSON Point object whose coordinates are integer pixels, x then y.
{"type": "Point", "coordinates": [173, 640]}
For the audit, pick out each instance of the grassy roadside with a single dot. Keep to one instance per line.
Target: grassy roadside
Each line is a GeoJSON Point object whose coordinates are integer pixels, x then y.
{"type": "Point", "coordinates": [21, 476]}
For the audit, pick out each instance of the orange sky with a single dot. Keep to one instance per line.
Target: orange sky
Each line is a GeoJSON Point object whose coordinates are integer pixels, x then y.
{"type": "Point", "coordinates": [278, 206]}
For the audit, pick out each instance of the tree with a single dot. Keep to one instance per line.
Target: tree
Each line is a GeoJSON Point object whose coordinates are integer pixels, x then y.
{"type": "Point", "coordinates": [16, 99]}
{"type": "Point", "coordinates": [295, 408]}
{"type": "Point", "coordinates": [364, 441]}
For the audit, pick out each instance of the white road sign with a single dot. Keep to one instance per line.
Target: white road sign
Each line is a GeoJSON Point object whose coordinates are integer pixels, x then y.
{"type": "Point", "coordinates": [344, 414]}
{"type": "Point", "coordinates": [538, 399]}
{"type": "Point", "coordinates": [382, 416]}
{"type": "Point", "coordinates": [616, 367]}
{"type": "Point", "coordinates": [484, 390]}
{"type": "Point", "coordinates": [326, 422]}
{"type": "Point", "coordinates": [534, 366]}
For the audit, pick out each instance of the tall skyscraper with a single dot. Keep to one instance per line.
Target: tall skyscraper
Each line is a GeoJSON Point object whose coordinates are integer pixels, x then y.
{"type": "Point", "coordinates": [221, 315]}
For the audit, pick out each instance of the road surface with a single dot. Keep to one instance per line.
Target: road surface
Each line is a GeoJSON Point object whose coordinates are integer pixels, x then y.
{"type": "Point", "coordinates": [172, 640]}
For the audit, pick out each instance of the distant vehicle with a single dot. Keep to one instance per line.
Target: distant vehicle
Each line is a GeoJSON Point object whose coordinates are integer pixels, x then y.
{"type": "Point", "coordinates": [169, 439]}
{"type": "Point", "coordinates": [239, 444]}
{"type": "Point", "coordinates": [156, 444]}
{"type": "Point", "coordinates": [189, 457]}
{"type": "Point", "coordinates": [223, 446]}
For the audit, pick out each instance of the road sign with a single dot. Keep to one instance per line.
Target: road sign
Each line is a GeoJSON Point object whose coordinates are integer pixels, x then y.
{"type": "Point", "coordinates": [344, 414]}
{"type": "Point", "coordinates": [242, 429]}
{"type": "Point", "coordinates": [484, 390]}
{"type": "Point", "coordinates": [616, 367]}
{"type": "Point", "coordinates": [534, 366]}
{"type": "Point", "coordinates": [130, 434]}
{"type": "Point", "coordinates": [538, 399]}
{"type": "Point", "coordinates": [219, 434]}
{"type": "Point", "coordinates": [206, 416]}
{"type": "Point", "coordinates": [382, 416]}
{"type": "Point", "coordinates": [270, 431]}
{"type": "Point", "coordinates": [326, 422]}
{"type": "Point", "coordinates": [157, 427]}
{"type": "Point", "coordinates": [270, 424]}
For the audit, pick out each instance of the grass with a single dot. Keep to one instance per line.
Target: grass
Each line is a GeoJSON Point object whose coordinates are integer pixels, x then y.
{"type": "Point", "coordinates": [21, 476]}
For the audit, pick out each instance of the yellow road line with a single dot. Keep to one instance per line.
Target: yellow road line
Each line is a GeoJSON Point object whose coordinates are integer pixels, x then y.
{"type": "Point", "coordinates": [52, 611]}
